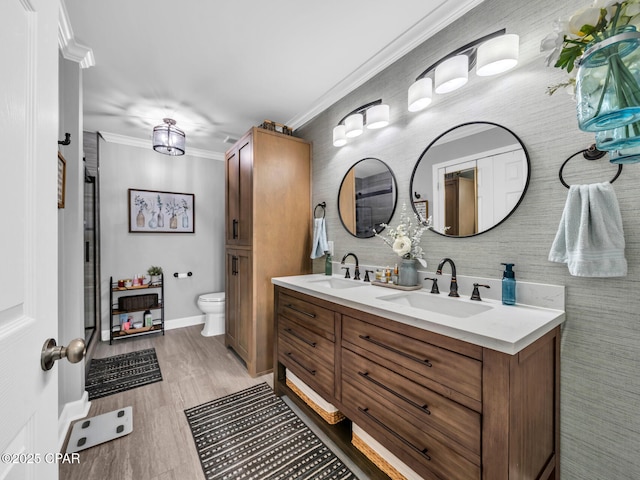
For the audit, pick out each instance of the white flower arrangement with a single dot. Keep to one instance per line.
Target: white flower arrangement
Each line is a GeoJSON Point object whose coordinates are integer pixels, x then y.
{"type": "Point", "coordinates": [571, 37]}
{"type": "Point", "coordinates": [404, 240]}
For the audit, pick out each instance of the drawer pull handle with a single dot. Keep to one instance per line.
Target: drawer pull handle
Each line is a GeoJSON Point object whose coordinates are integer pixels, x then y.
{"type": "Point", "coordinates": [395, 350]}
{"type": "Point", "coordinates": [401, 397]}
{"type": "Point", "coordinates": [299, 337]}
{"type": "Point", "coordinates": [312, 315]}
{"type": "Point", "coordinates": [423, 453]}
{"type": "Point", "coordinates": [290, 355]}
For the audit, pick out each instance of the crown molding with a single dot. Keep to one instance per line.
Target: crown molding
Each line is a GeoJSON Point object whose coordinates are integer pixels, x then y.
{"type": "Point", "coordinates": [71, 50]}
{"type": "Point", "coordinates": [146, 144]}
{"type": "Point", "coordinates": [444, 12]}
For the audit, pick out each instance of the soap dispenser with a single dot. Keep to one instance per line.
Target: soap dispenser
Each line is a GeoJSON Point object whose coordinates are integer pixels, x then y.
{"type": "Point", "coordinates": [328, 266]}
{"type": "Point", "coordinates": [508, 285]}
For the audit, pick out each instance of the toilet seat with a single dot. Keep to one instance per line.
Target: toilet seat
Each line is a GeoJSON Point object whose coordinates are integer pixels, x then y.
{"type": "Point", "coordinates": [212, 297]}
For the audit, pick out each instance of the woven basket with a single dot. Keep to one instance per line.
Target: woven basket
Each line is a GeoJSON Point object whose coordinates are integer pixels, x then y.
{"type": "Point", "coordinates": [138, 302]}
{"type": "Point", "coordinates": [330, 417]}
{"type": "Point", "coordinates": [375, 457]}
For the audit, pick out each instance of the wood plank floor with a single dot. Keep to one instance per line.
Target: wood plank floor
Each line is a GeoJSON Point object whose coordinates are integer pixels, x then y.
{"type": "Point", "coordinates": [195, 370]}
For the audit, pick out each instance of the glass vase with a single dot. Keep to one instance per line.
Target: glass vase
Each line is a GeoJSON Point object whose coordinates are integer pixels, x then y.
{"type": "Point", "coordinates": [625, 156]}
{"type": "Point", "coordinates": [607, 84]}
{"type": "Point", "coordinates": [620, 138]}
{"type": "Point", "coordinates": [408, 272]}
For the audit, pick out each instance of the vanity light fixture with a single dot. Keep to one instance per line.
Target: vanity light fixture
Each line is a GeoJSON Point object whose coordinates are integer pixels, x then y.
{"type": "Point", "coordinates": [492, 54]}
{"type": "Point", "coordinates": [168, 139]}
{"type": "Point", "coordinates": [374, 115]}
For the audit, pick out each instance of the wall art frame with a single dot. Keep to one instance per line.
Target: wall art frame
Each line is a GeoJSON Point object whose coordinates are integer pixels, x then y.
{"type": "Point", "coordinates": [154, 211]}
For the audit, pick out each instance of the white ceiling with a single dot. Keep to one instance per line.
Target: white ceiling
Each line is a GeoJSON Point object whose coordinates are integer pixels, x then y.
{"type": "Point", "coordinates": [219, 68]}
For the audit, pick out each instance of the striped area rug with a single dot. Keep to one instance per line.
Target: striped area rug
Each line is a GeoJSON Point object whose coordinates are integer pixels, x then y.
{"type": "Point", "coordinates": [254, 435]}
{"type": "Point", "coordinates": [122, 372]}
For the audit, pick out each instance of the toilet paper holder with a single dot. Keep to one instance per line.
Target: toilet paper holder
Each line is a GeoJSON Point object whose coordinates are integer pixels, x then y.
{"type": "Point", "coordinates": [182, 275]}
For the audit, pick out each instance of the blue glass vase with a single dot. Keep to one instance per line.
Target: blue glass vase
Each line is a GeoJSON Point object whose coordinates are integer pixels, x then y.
{"type": "Point", "coordinates": [608, 82]}
{"type": "Point", "coordinates": [621, 138]}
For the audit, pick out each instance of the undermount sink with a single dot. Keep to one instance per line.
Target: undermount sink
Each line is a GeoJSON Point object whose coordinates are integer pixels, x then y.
{"type": "Point", "coordinates": [338, 283]}
{"type": "Point", "coordinates": [432, 303]}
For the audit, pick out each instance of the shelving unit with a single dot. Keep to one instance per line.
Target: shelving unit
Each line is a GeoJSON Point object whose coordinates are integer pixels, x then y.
{"type": "Point", "coordinates": [157, 309]}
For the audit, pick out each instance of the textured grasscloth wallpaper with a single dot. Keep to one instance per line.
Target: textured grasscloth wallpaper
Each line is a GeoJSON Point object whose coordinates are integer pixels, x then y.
{"type": "Point", "coordinates": [600, 395]}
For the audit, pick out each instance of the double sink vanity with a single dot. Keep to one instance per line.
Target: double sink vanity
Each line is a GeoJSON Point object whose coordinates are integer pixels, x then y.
{"type": "Point", "coordinates": [440, 387]}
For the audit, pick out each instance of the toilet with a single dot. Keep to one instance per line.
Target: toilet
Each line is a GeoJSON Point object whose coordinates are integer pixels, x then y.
{"type": "Point", "coordinates": [212, 305]}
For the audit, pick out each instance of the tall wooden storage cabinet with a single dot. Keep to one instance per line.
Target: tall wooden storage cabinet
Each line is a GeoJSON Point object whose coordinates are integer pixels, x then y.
{"type": "Point", "coordinates": [268, 234]}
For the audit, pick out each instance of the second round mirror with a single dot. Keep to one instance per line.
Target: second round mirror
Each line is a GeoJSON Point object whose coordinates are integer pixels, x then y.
{"type": "Point", "coordinates": [470, 178]}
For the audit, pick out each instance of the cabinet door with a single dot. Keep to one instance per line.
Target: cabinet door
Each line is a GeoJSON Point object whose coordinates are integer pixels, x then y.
{"type": "Point", "coordinates": [238, 319]}
{"type": "Point", "coordinates": [239, 193]}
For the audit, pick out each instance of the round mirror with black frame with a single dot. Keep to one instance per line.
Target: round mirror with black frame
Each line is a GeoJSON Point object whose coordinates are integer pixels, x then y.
{"type": "Point", "coordinates": [470, 179]}
{"type": "Point", "coordinates": [367, 197]}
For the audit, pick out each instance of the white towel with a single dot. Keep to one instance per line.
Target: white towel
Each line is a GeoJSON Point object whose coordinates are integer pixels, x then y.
{"type": "Point", "coordinates": [320, 244]}
{"type": "Point", "coordinates": [590, 239]}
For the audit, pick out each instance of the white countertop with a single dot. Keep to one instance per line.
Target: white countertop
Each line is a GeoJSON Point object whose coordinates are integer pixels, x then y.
{"type": "Point", "coordinates": [507, 329]}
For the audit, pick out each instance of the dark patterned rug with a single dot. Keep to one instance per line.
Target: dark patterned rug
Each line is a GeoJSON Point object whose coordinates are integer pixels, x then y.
{"type": "Point", "coordinates": [254, 435]}
{"type": "Point", "coordinates": [122, 372]}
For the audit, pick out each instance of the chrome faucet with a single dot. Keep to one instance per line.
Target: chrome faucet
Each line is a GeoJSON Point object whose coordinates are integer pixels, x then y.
{"type": "Point", "coordinates": [453, 288]}
{"type": "Point", "coordinates": [356, 274]}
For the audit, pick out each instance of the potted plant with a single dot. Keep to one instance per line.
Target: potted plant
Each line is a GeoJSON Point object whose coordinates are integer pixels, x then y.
{"type": "Point", "coordinates": [155, 273]}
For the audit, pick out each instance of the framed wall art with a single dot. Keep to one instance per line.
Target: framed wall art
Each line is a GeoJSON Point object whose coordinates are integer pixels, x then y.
{"type": "Point", "coordinates": [151, 211]}
{"type": "Point", "coordinates": [62, 177]}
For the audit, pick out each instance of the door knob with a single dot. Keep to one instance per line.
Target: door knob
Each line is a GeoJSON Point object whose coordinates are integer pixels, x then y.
{"type": "Point", "coordinates": [50, 352]}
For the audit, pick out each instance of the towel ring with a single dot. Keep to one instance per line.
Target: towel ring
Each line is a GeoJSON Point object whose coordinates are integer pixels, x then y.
{"type": "Point", "coordinates": [591, 153]}
{"type": "Point", "coordinates": [323, 206]}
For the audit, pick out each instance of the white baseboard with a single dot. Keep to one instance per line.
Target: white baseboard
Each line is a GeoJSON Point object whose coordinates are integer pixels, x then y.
{"type": "Point", "coordinates": [168, 324]}
{"type": "Point", "coordinates": [184, 322]}
{"type": "Point", "coordinates": [70, 412]}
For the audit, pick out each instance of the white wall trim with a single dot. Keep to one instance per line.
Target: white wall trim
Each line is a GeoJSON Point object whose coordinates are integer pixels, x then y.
{"type": "Point", "coordinates": [71, 50]}
{"type": "Point", "coordinates": [72, 411]}
{"type": "Point", "coordinates": [183, 322]}
{"type": "Point", "coordinates": [168, 325]}
{"type": "Point", "coordinates": [142, 143]}
{"type": "Point", "coordinates": [444, 13]}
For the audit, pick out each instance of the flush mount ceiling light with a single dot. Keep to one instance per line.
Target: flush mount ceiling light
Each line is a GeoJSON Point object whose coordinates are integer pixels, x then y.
{"type": "Point", "coordinates": [374, 115]}
{"type": "Point", "coordinates": [492, 54]}
{"type": "Point", "coordinates": [168, 139]}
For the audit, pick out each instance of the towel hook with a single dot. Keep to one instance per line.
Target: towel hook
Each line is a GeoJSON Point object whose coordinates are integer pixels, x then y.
{"type": "Point", "coordinates": [591, 153]}
{"type": "Point", "coordinates": [322, 205]}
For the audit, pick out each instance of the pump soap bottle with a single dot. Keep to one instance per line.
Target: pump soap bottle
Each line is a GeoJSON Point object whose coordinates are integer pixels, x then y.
{"type": "Point", "coordinates": [328, 266]}
{"type": "Point", "coordinates": [508, 285]}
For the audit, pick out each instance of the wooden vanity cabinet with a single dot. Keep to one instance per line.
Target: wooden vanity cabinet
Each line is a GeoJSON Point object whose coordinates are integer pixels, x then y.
{"type": "Point", "coordinates": [447, 408]}
{"type": "Point", "coordinates": [307, 341]}
{"type": "Point", "coordinates": [268, 234]}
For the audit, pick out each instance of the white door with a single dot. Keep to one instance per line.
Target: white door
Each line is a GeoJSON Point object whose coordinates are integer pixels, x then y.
{"type": "Point", "coordinates": [28, 237]}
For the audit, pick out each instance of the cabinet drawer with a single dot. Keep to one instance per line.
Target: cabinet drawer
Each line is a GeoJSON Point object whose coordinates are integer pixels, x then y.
{"type": "Point", "coordinates": [315, 346]}
{"type": "Point", "coordinates": [313, 317]}
{"type": "Point", "coordinates": [459, 423]}
{"type": "Point", "coordinates": [312, 372]}
{"type": "Point", "coordinates": [455, 371]}
{"type": "Point", "coordinates": [428, 455]}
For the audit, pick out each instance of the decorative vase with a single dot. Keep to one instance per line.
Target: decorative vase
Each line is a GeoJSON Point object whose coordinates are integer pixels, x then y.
{"type": "Point", "coordinates": [160, 220]}
{"type": "Point", "coordinates": [621, 138]}
{"type": "Point", "coordinates": [153, 223]}
{"type": "Point", "coordinates": [173, 222]}
{"type": "Point", "coordinates": [607, 84]}
{"type": "Point", "coordinates": [185, 221]}
{"type": "Point", "coordinates": [625, 156]}
{"type": "Point", "coordinates": [140, 219]}
{"type": "Point", "coordinates": [408, 272]}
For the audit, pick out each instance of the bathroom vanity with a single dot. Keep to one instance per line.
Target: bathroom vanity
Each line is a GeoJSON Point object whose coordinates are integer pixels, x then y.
{"type": "Point", "coordinates": [453, 389]}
